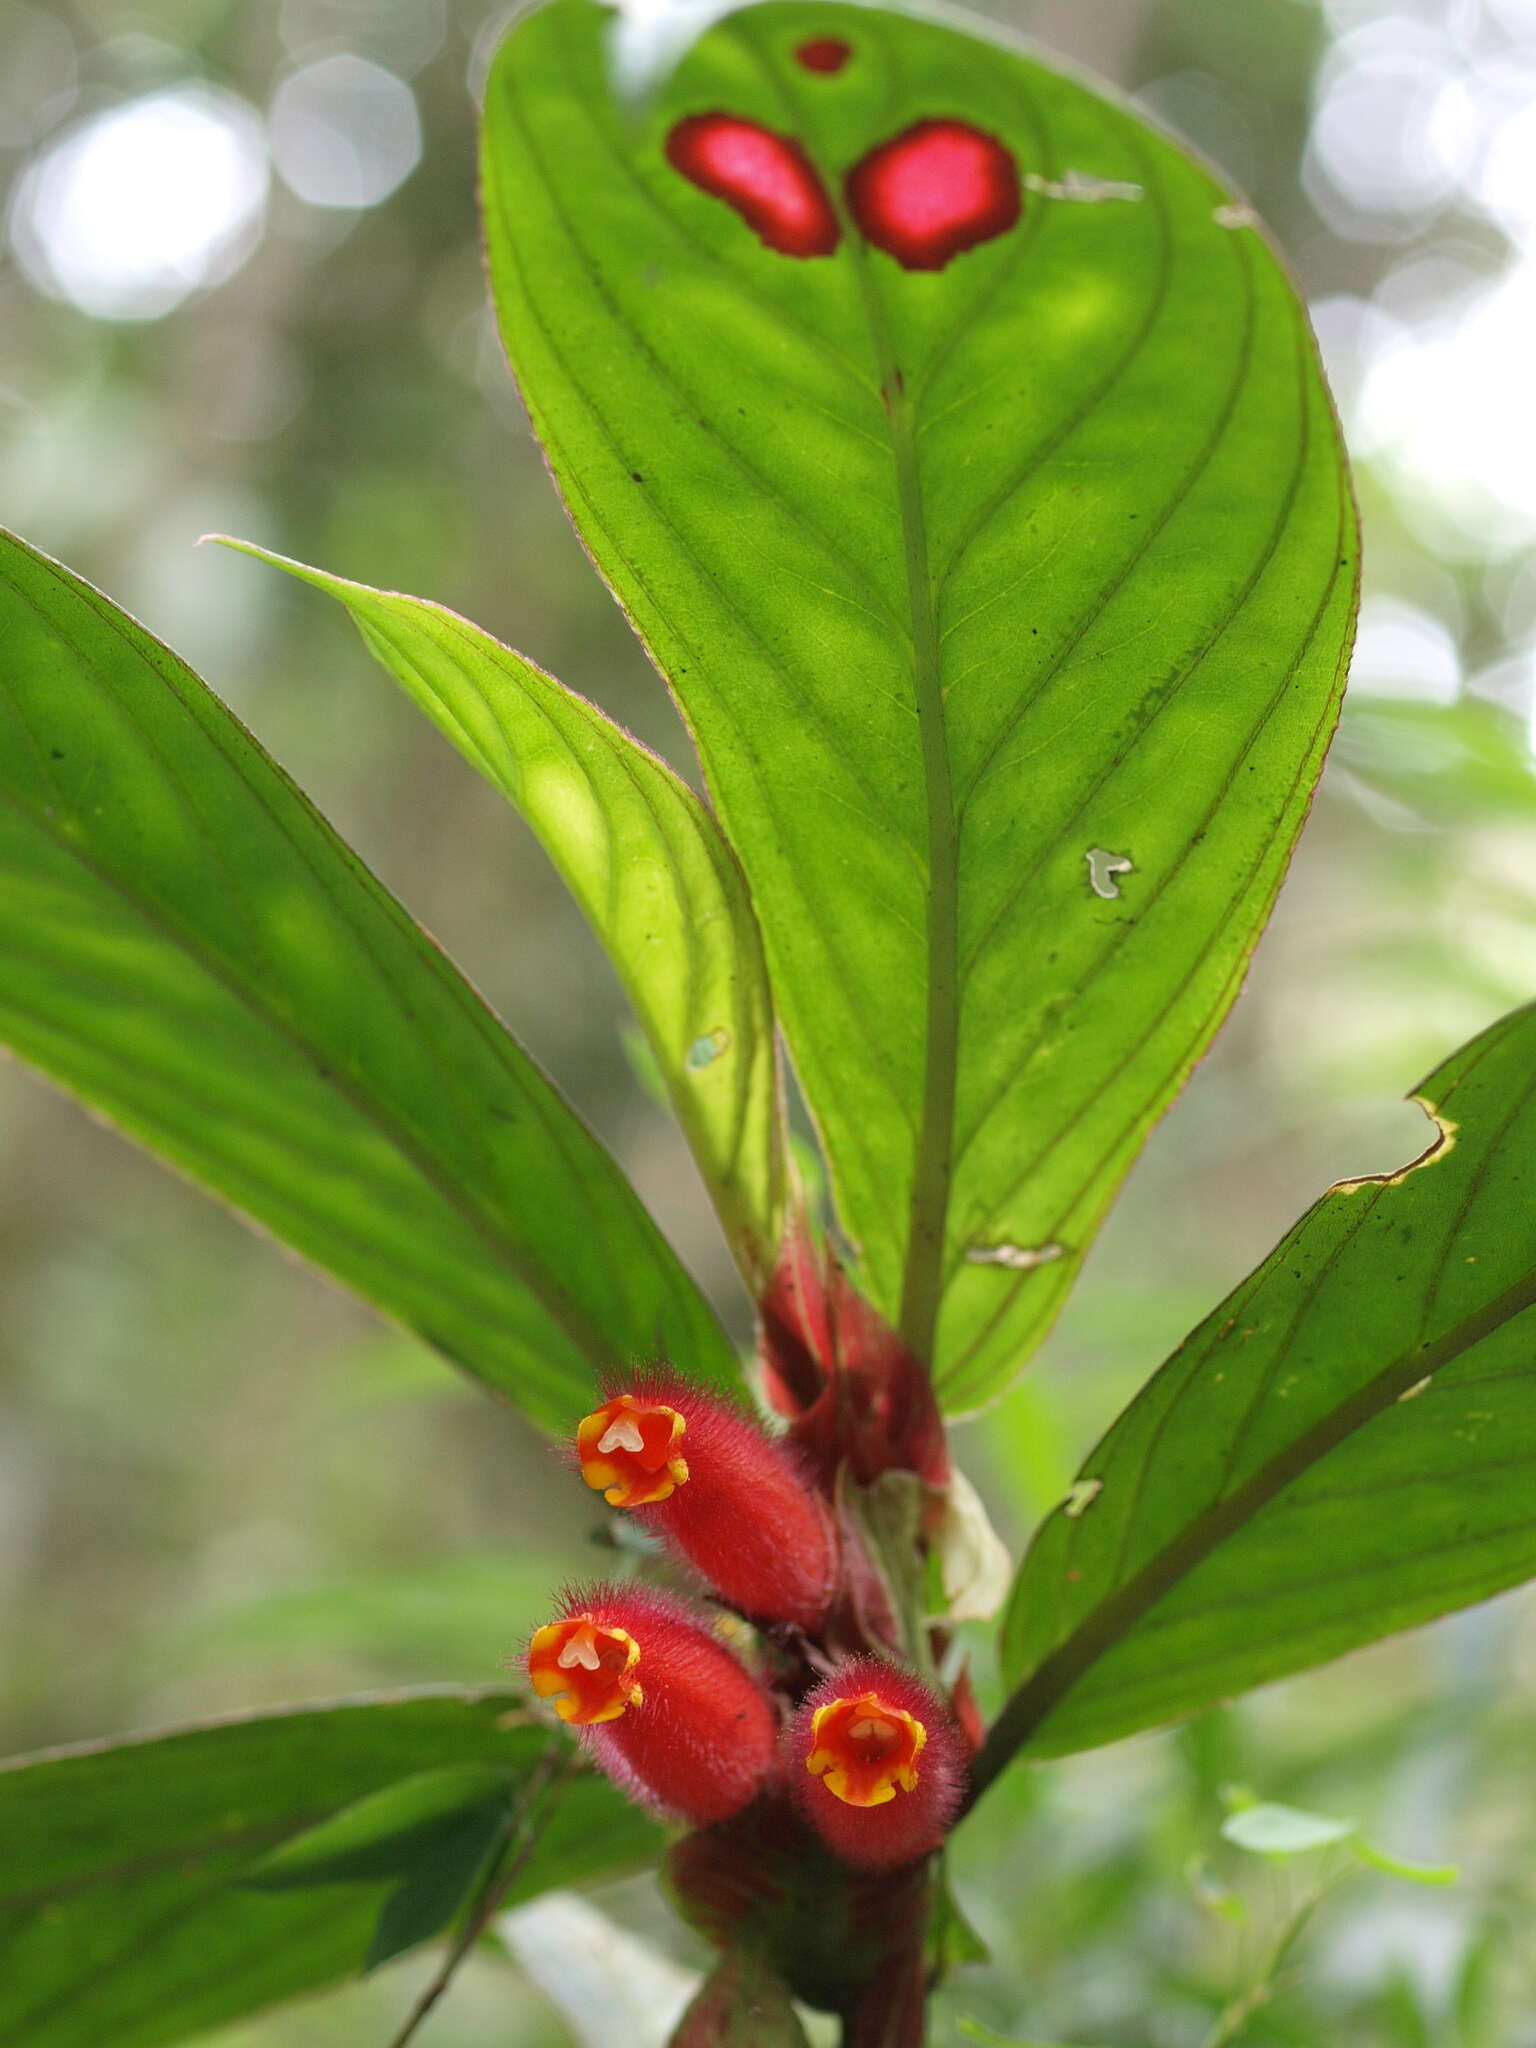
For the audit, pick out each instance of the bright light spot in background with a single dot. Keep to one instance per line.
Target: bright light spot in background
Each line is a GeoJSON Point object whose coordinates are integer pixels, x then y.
{"type": "Point", "coordinates": [1447, 406]}
{"type": "Point", "coordinates": [1401, 650]}
{"type": "Point", "coordinates": [345, 132]}
{"type": "Point", "coordinates": [1395, 129]}
{"type": "Point", "coordinates": [133, 210]}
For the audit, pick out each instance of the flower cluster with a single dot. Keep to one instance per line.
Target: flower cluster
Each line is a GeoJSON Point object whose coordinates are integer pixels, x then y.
{"type": "Point", "coordinates": [806, 1721]}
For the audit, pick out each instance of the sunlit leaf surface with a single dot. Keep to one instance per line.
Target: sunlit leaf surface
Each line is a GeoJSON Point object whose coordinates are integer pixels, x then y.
{"type": "Point", "coordinates": [187, 945]}
{"type": "Point", "coordinates": [648, 865]}
{"type": "Point", "coordinates": [1346, 1447]}
{"type": "Point", "coordinates": [958, 447]}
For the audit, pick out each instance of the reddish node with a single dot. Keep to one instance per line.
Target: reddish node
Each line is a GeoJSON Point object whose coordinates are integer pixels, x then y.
{"type": "Point", "coordinates": [767, 178]}
{"type": "Point", "coordinates": [826, 54]}
{"type": "Point", "coordinates": [938, 188]}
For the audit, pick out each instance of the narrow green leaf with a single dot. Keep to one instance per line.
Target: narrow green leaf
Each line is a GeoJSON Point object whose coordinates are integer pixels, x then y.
{"type": "Point", "coordinates": [123, 1914]}
{"type": "Point", "coordinates": [187, 945]}
{"type": "Point", "coordinates": [1345, 1448]}
{"type": "Point", "coordinates": [1007, 600]}
{"type": "Point", "coordinates": [1271, 1830]}
{"type": "Point", "coordinates": [383, 1834]}
{"type": "Point", "coordinates": [645, 860]}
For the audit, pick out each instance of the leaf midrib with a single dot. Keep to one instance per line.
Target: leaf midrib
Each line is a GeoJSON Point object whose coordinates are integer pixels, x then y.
{"type": "Point", "coordinates": [922, 1286]}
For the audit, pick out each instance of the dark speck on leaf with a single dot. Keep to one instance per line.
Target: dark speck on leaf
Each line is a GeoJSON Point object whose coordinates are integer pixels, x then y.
{"type": "Point", "coordinates": [58, 753]}
{"type": "Point", "coordinates": [639, 479]}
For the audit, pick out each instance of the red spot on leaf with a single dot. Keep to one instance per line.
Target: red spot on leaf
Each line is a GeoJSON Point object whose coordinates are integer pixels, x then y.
{"type": "Point", "coordinates": [768, 178]}
{"type": "Point", "coordinates": [824, 53]}
{"type": "Point", "coordinates": [934, 190]}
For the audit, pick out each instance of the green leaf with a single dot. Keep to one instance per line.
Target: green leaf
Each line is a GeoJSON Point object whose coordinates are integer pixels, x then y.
{"type": "Point", "coordinates": [646, 861]}
{"type": "Point", "coordinates": [385, 1833]}
{"type": "Point", "coordinates": [187, 945]}
{"type": "Point", "coordinates": [443, 1878]}
{"type": "Point", "coordinates": [952, 1940]}
{"type": "Point", "coordinates": [436, 1833]}
{"type": "Point", "coordinates": [1434, 1875]}
{"type": "Point", "coordinates": [124, 1917]}
{"type": "Point", "coordinates": [1007, 603]}
{"type": "Point", "coordinates": [1270, 1830]}
{"type": "Point", "coordinates": [1345, 1448]}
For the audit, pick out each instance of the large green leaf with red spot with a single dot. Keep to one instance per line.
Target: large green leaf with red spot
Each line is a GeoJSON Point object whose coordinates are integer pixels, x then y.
{"type": "Point", "coordinates": [1007, 600]}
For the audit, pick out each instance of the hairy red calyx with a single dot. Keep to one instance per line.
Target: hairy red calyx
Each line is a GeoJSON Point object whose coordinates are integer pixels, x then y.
{"type": "Point", "coordinates": [876, 1763]}
{"type": "Point", "coordinates": [739, 1508]}
{"type": "Point", "coordinates": [629, 1451]}
{"type": "Point", "coordinates": [866, 1749]}
{"type": "Point", "coordinates": [698, 1740]}
{"type": "Point", "coordinates": [586, 1668]}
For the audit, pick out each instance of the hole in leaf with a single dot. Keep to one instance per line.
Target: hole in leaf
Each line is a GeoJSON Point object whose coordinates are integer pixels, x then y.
{"type": "Point", "coordinates": [1103, 866]}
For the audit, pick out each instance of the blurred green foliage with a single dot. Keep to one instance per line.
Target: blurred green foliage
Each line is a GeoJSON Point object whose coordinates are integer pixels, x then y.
{"type": "Point", "coordinates": [222, 1484]}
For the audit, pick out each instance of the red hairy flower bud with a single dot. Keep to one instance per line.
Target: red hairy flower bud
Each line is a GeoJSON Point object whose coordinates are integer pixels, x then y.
{"type": "Point", "coordinates": [736, 1507]}
{"type": "Point", "coordinates": [876, 1764]}
{"type": "Point", "coordinates": [664, 1707]}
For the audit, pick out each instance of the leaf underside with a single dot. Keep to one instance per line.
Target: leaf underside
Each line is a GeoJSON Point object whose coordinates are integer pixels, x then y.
{"type": "Point", "coordinates": [1345, 1448]}
{"type": "Point", "coordinates": [646, 861]}
{"type": "Point", "coordinates": [1007, 602]}
{"type": "Point", "coordinates": [186, 944]}
{"type": "Point", "coordinates": [123, 1917]}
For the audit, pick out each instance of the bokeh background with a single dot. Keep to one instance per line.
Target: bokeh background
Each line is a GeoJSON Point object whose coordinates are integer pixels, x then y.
{"type": "Point", "coordinates": [240, 291]}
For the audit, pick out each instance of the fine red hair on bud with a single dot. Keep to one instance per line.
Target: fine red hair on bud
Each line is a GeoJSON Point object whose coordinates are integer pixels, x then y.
{"type": "Point", "coordinates": [717, 1490]}
{"type": "Point", "coordinates": [662, 1705]}
{"type": "Point", "coordinates": [876, 1763]}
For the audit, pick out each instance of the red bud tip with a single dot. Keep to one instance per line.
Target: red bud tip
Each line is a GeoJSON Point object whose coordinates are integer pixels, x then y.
{"type": "Point", "coordinates": [698, 1741]}
{"type": "Point", "coordinates": [628, 1450]}
{"type": "Point", "coordinates": [875, 1762]}
{"type": "Point", "coordinates": [586, 1669]}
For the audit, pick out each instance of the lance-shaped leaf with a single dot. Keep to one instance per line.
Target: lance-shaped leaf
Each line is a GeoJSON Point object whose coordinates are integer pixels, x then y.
{"type": "Point", "coordinates": [124, 1915]}
{"type": "Point", "coordinates": [958, 447]}
{"type": "Point", "coordinates": [645, 860]}
{"type": "Point", "coordinates": [1345, 1448]}
{"type": "Point", "coordinates": [185, 943]}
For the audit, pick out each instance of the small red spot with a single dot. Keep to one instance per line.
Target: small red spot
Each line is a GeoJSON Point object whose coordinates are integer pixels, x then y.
{"type": "Point", "coordinates": [769, 180]}
{"type": "Point", "coordinates": [934, 190]}
{"type": "Point", "coordinates": [824, 53]}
